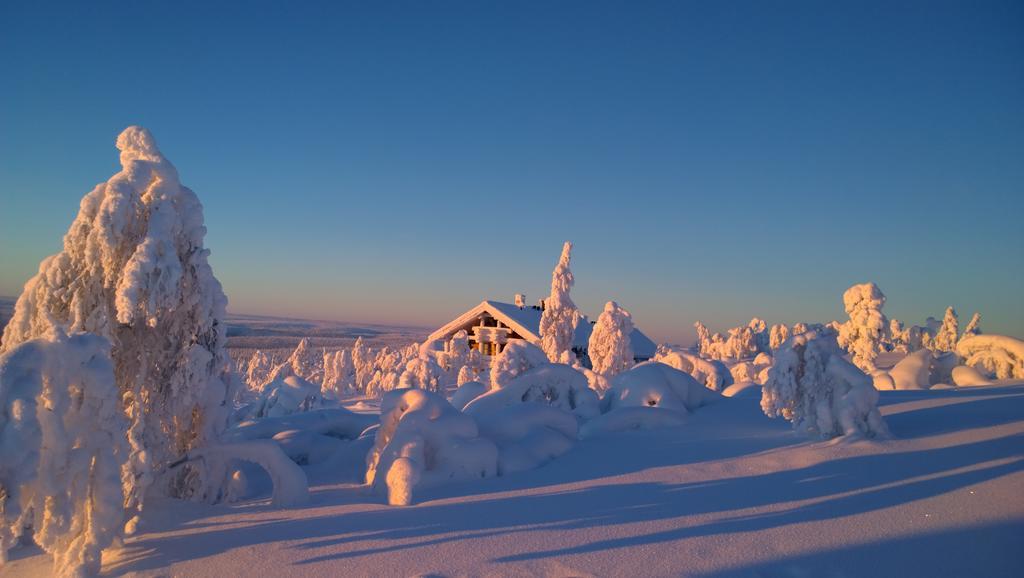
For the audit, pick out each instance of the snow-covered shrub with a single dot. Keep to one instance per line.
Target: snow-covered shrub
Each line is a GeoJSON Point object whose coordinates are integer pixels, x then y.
{"type": "Point", "coordinates": [552, 384]}
{"type": "Point", "coordinates": [743, 371]}
{"type": "Point", "coordinates": [518, 357]}
{"type": "Point", "coordinates": [595, 381]}
{"type": "Point", "coordinates": [283, 397]}
{"type": "Point", "coordinates": [946, 338]}
{"type": "Point", "coordinates": [421, 373]}
{"type": "Point", "coordinates": [339, 373]}
{"type": "Point", "coordinates": [812, 386]}
{"type": "Point", "coordinates": [652, 384]}
{"type": "Point", "coordinates": [994, 355]}
{"type": "Point", "coordinates": [864, 334]}
{"type": "Point", "coordinates": [779, 334]}
{"type": "Point", "coordinates": [913, 371]}
{"type": "Point", "coordinates": [528, 434]}
{"type": "Point", "coordinates": [466, 393]}
{"type": "Point", "coordinates": [133, 269]}
{"type": "Point", "coordinates": [609, 349]}
{"type": "Point", "coordinates": [712, 373]}
{"type": "Point", "coordinates": [560, 316]}
{"type": "Point", "coordinates": [423, 439]}
{"type": "Point", "coordinates": [465, 376]}
{"type": "Point", "coordinates": [63, 450]}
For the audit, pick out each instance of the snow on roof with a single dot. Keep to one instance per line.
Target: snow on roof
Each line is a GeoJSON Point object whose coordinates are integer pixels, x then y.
{"type": "Point", "coordinates": [526, 322]}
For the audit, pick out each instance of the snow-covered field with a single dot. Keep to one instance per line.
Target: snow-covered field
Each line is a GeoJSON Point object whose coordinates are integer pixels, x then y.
{"type": "Point", "coordinates": [730, 493]}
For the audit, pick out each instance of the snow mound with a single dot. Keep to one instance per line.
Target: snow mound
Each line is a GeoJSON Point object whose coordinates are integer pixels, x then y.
{"type": "Point", "coordinates": [967, 376]}
{"type": "Point", "coordinates": [528, 434]}
{"type": "Point", "coordinates": [291, 488]}
{"type": "Point", "coordinates": [335, 422]}
{"type": "Point", "coordinates": [712, 373]}
{"type": "Point", "coordinates": [743, 389]}
{"type": "Point", "coordinates": [552, 384]}
{"type": "Point", "coordinates": [653, 384]}
{"type": "Point", "coordinates": [63, 447]}
{"type": "Point", "coordinates": [423, 439]}
{"type": "Point", "coordinates": [631, 418]}
{"type": "Point", "coordinates": [913, 371]}
{"type": "Point", "coordinates": [466, 393]}
{"type": "Point", "coordinates": [994, 355]}
{"type": "Point", "coordinates": [812, 386]}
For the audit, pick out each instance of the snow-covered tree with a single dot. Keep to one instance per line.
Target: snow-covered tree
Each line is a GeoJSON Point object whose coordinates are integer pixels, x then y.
{"type": "Point", "coordinates": [864, 333]}
{"type": "Point", "coordinates": [338, 372]}
{"type": "Point", "coordinates": [972, 326]}
{"type": "Point", "coordinates": [465, 375]}
{"type": "Point", "coordinates": [703, 338]}
{"type": "Point", "coordinates": [821, 393]}
{"type": "Point", "coordinates": [362, 362]}
{"type": "Point", "coordinates": [257, 370]}
{"type": "Point", "coordinates": [518, 357]}
{"type": "Point", "coordinates": [946, 338]}
{"type": "Point", "coordinates": [898, 336]}
{"type": "Point", "coordinates": [779, 335]}
{"type": "Point", "coordinates": [560, 316]}
{"type": "Point", "coordinates": [63, 449]}
{"type": "Point", "coordinates": [133, 269]}
{"type": "Point", "coordinates": [422, 373]}
{"type": "Point", "coordinates": [610, 349]}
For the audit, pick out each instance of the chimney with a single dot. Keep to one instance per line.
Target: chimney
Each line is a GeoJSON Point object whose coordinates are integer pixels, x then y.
{"type": "Point", "coordinates": [520, 300]}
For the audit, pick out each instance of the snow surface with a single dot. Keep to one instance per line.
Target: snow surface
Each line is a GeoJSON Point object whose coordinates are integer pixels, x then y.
{"type": "Point", "coordinates": [730, 493]}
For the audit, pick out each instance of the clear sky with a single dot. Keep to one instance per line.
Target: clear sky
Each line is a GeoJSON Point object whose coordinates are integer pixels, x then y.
{"type": "Point", "coordinates": [400, 161]}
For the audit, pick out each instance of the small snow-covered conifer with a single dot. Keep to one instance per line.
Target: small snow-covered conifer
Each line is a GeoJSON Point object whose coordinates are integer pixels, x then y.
{"type": "Point", "coordinates": [779, 335]}
{"type": "Point", "coordinates": [560, 316]}
{"type": "Point", "coordinates": [610, 350]}
{"type": "Point", "coordinates": [946, 338]}
{"type": "Point", "coordinates": [864, 333]}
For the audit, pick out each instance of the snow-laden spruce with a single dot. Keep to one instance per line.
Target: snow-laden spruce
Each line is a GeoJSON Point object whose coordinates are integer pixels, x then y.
{"type": "Point", "coordinates": [864, 333]}
{"type": "Point", "coordinates": [560, 316]}
{"type": "Point", "coordinates": [946, 338]}
{"type": "Point", "coordinates": [422, 439]}
{"type": "Point", "coordinates": [996, 356]}
{"type": "Point", "coordinates": [812, 386]}
{"type": "Point", "coordinates": [134, 270]}
{"type": "Point", "coordinates": [63, 450]}
{"type": "Point", "coordinates": [609, 349]}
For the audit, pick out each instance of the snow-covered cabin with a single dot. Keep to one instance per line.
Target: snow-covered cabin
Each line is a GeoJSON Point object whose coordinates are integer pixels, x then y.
{"type": "Point", "coordinates": [492, 324]}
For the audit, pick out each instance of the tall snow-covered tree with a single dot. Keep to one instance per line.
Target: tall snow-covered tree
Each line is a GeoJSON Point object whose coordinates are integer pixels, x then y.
{"type": "Point", "coordinates": [779, 334]}
{"type": "Point", "coordinates": [362, 362]}
{"type": "Point", "coordinates": [946, 338]}
{"type": "Point", "coordinates": [972, 326]}
{"type": "Point", "coordinates": [703, 338]}
{"type": "Point", "coordinates": [610, 349]}
{"type": "Point", "coordinates": [864, 333]}
{"type": "Point", "coordinates": [134, 270]}
{"type": "Point", "coordinates": [560, 316]}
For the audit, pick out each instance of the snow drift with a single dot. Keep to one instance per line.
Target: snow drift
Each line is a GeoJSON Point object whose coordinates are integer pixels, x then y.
{"type": "Point", "coordinates": [552, 384]}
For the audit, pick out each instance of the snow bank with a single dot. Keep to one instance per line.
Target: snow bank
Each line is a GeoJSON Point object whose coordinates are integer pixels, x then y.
{"type": "Point", "coordinates": [913, 371]}
{"type": "Point", "coordinates": [552, 384]}
{"type": "Point", "coordinates": [335, 422]}
{"type": "Point", "coordinates": [423, 439]}
{"type": "Point", "coordinates": [654, 384]}
{"type": "Point", "coordinates": [743, 389]}
{"type": "Point", "coordinates": [712, 373]}
{"type": "Point", "coordinates": [812, 386]}
{"type": "Point", "coordinates": [995, 355]}
{"type": "Point", "coordinates": [466, 393]}
{"type": "Point", "coordinates": [631, 418]}
{"type": "Point", "coordinates": [528, 434]}
{"type": "Point", "coordinates": [63, 448]}
{"type": "Point", "coordinates": [966, 376]}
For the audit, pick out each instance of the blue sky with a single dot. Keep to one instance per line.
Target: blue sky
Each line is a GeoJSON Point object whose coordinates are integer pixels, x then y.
{"type": "Point", "coordinates": [400, 161]}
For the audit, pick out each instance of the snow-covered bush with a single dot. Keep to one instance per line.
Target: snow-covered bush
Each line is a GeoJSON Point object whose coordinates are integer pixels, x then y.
{"type": "Point", "coordinates": [423, 439]}
{"type": "Point", "coordinates": [609, 349]}
{"type": "Point", "coordinates": [553, 384]}
{"type": "Point", "coordinates": [913, 371]}
{"type": "Point", "coordinates": [466, 393]}
{"type": "Point", "coordinates": [652, 384]}
{"type": "Point", "coordinates": [560, 316]}
{"type": "Point", "coordinates": [712, 373]}
{"type": "Point", "coordinates": [286, 396]}
{"type": "Point", "coordinates": [743, 371]}
{"type": "Point", "coordinates": [528, 434]}
{"type": "Point", "coordinates": [946, 338]}
{"type": "Point", "coordinates": [966, 376]}
{"type": "Point", "coordinates": [518, 357]}
{"type": "Point", "coordinates": [812, 386]}
{"type": "Point", "coordinates": [421, 373]}
{"type": "Point", "coordinates": [864, 334]}
{"type": "Point", "coordinates": [63, 450]}
{"type": "Point", "coordinates": [133, 269]}
{"type": "Point", "coordinates": [465, 376]}
{"type": "Point", "coordinates": [994, 355]}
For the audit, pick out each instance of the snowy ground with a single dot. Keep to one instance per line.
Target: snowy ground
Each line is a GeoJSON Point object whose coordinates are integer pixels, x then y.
{"type": "Point", "coordinates": [732, 493]}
